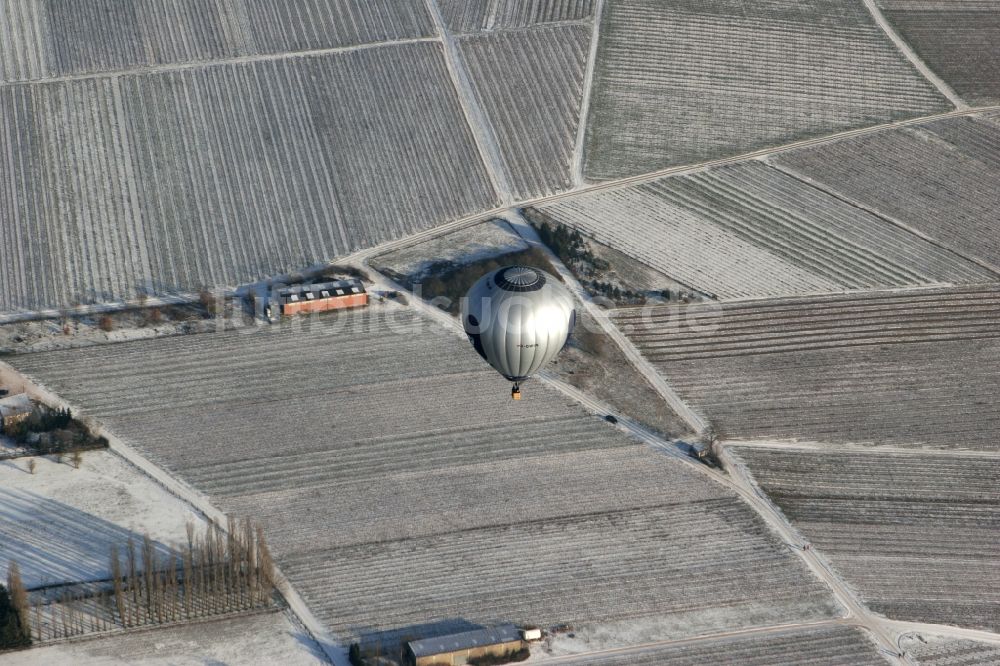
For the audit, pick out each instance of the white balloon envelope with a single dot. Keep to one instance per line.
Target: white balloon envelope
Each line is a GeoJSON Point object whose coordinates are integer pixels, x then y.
{"type": "Point", "coordinates": [518, 318]}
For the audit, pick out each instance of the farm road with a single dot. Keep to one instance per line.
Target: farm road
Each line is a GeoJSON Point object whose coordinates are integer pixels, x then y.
{"type": "Point", "coordinates": [588, 85]}
{"type": "Point", "coordinates": [482, 129]}
{"type": "Point", "coordinates": [914, 59]}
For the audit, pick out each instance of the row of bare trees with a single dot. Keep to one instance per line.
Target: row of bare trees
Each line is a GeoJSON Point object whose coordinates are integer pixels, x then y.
{"type": "Point", "coordinates": [220, 571]}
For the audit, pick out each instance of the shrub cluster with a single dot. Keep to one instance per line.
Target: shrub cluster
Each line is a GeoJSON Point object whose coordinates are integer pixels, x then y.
{"type": "Point", "coordinates": [54, 431]}
{"type": "Point", "coordinates": [509, 657]}
{"type": "Point", "coordinates": [615, 293]}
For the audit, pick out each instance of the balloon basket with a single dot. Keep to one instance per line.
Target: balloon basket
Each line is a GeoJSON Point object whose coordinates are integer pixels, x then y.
{"type": "Point", "coordinates": [515, 393]}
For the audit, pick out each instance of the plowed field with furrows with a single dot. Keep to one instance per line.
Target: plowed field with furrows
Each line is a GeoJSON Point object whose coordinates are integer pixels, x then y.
{"type": "Point", "coordinates": [468, 16]}
{"type": "Point", "coordinates": [529, 83]}
{"type": "Point", "coordinates": [480, 488]}
{"type": "Point", "coordinates": [684, 82]}
{"type": "Point", "coordinates": [227, 174]}
{"type": "Point", "coordinates": [42, 39]}
{"type": "Point", "coordinates": [914, 374]}
{"type": "Point", "coordinates": [916, 534]}
{"type": "Point", "coordinates": [976, 137]}
{"type": "Point", "coordinates": [959, 40]}
{"type": "Point", "coordinates": [943, 190]}
{"type": "Point", "coordinates": [579, 568]}
{"type": "Point", "coordinates": [751, 230]}
{"type": "Point", "coordinates": [800, 324]}
{"type": "Point", "coordinates": [941, 652]}
{"type": "Point", "coordinates": [70, 230]}
{"type": "Point", "coordinates": [683, 244]}
{"type": "Point", "coordinates": [833, 646]}
{"type": "Point", "coordinates": [384, 459]}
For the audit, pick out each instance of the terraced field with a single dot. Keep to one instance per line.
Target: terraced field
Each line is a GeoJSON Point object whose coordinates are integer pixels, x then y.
{"type": "Point", "coordinates": [386, 462]}
{"type": "Point", "coordinates": [941, 652]}
{"type": "Point", "coordinates": [469, 16]}
{"type": "Point", "coordinates": [749, 230]}
{"type": "Point", "coordinates": [958, 39]}
{"type": "Point", "coordinates": [906, 369]}
{"type": "Point", "coordinates": [824, 646]}
{"type": "Point", "coordinates": [940, 180]}
{"type": "Point", "coordinates": [226, 174]}
{"type": "Point", "coordinates": [42, 38]}
{"type": "Point", "coordinates": [529, 84]}
{"type": "Point", "coordinates": [916, 534]}
{"type": "Point", "coordinates": [684, 82]}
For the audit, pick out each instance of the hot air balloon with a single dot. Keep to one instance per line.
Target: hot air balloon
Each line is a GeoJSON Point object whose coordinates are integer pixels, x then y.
{"type": "Point", "coordinates": [518, 318]}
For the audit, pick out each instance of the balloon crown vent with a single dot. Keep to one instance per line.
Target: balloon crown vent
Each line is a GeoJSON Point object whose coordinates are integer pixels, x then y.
{"type": "Point", "coordinates": [520, 278]}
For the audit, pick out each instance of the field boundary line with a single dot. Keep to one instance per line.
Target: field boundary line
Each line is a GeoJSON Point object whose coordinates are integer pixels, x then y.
{"type": "Point", "coordinates": [205, 64]}
{"type": "Point", "coordinates": [825, 189]}
{"type": "Point", "coordinates": [482, 129]}
{"type": "Point", "coordinates": [912, 56]}
{"type": "Point", "coordinates": [588, 85]}
{"type": "Point", "coordinates": [833, 296]}
{"type": "Point", "coordinates": [324, 639]}
{"type": "Point", "coordinates": [861, 449]}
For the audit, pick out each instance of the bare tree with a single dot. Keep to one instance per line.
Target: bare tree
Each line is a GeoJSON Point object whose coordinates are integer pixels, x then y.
{"type": "Point", "coordinates": [116, 582]}
{"type": "Point", "coordinates": [19, 598]}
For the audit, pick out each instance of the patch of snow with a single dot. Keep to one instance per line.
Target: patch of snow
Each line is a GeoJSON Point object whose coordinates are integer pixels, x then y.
{"type": "Point", "coordinates": [270, 638]}
{"type": "Point", "coordinates": [465, 246]}
{"type": "Point", "coordinates": [59, 523]}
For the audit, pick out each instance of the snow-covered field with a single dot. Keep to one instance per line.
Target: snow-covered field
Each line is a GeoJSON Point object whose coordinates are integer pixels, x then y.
{"type": "Point", "coordinates": [915, 533]}
{"type": "Point", "coordinates": [937, 178]}
{"type": "Point", "coordinates": [403, 491]}
{"type": "Point", "coordinates": [530, 83]}
{"type": "Point", "coordinates": [257, 640]}
{"type": "Point", "coordinates": [227, 173]}
{"type": "Point", "coordinates": [816, 646]}
{"type": "Point", "coordinates": [941, 651]}
{"type": "Point", "coordinates": [471, 16]}
{"type": "Point", "coordinates": [749, 230]}
{"type": "Point", "coordinates": [59, 522]}
{"type": "Point", "coordinates": [464, 246]}
{"type": "Point", "coordinates": [911, 369]}
{"type": "Point", "coordinates": [687, 81]}
{"type": "Point", "coordinates": [957, 39]}
{"type": "Point", "coordinates": [40, 40]}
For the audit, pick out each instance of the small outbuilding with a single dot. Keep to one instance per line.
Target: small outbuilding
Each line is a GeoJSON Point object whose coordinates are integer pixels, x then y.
{"type": "Point", "coordinates": [456, 649]}
{"type": "Point", "coordinates": [14, 409]}
{"type": "Point", "coordinates": [322, 297]}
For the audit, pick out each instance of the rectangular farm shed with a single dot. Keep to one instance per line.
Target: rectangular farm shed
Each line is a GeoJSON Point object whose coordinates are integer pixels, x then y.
{"type": "Point", "coordinates": [322, 297]}
{"type": "Point", "coordinates": [456, 649]}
